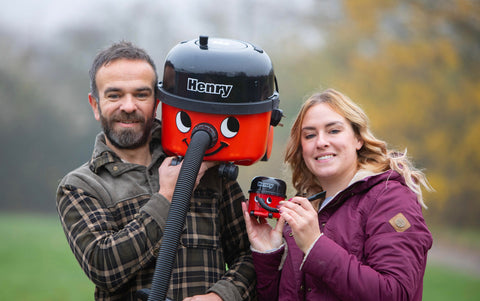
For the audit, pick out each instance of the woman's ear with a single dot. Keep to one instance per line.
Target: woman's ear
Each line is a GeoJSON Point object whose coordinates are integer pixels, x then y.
{"type": "Point", "coordinates": [359, 143]}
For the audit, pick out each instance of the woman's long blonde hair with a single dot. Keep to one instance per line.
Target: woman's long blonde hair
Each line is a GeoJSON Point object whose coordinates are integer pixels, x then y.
{"type": "Point", "coordinates": [373, 156]}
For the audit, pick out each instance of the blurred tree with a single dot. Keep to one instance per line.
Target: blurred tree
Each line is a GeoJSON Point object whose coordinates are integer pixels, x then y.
{"type": "Point", "coordinates": [42, 130]}
{"type": "Point", "coordinates": [414, 66]}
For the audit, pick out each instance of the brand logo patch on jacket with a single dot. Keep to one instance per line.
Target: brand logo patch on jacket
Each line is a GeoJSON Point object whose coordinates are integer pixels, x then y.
{"type": "Point", "coordinates": [399, 222]}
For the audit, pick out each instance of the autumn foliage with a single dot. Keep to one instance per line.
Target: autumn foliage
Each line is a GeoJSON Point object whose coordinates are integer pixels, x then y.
{"type": "Point", "coordinates": [414, 67]}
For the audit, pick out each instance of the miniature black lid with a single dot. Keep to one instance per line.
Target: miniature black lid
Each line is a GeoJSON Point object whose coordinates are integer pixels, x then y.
{"type": "Point", "coordinates": [268, 185]}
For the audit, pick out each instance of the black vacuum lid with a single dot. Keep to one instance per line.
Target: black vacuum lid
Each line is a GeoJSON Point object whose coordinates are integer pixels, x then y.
{"type": "Point", "coordinates": [230, 74]}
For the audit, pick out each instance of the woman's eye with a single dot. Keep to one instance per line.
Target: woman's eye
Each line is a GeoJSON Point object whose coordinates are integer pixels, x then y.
{"type": "Point", "coordinates": [335, 131]}
{"type": "Point", "coordinates": [230, 127]}
{"type": "Point", "coordinates": [183, 122]}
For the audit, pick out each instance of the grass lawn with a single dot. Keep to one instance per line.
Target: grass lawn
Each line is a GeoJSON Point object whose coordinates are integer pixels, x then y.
{"type": "Point", "coordinates": [442, 283]}
{"type": "Point", "coordinates": [37, 264]}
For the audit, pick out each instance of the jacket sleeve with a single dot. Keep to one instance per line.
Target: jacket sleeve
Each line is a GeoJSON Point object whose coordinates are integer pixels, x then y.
{"type": "Point", "coordinates": [109, 255]}
{"type": "Point", "coordinates": [394, 261]}
{"type": "Point", "coordinates": [267, 268]}
{"type": "Point", "coordinates": [238, 283]}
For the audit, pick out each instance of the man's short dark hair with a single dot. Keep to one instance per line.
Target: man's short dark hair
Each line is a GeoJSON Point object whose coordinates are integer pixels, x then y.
{"type": "Point", "coordinates": [120, 50]}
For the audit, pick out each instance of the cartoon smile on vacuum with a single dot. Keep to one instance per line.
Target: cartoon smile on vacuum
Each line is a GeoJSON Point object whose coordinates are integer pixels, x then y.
{"type": "Point", "coordinates": [229, 128]}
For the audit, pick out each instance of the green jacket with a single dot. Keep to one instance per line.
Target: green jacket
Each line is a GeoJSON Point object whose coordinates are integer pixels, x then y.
{"type": "Point", "coordinates": [114, 220]}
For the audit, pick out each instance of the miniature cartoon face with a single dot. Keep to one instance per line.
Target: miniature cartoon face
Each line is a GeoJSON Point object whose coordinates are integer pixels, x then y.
{"type": "Point", "coordinates": [242, 139]}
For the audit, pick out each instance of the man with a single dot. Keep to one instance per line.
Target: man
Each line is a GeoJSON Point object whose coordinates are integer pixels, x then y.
{"type": "Point", "coordinates": [114, 208]}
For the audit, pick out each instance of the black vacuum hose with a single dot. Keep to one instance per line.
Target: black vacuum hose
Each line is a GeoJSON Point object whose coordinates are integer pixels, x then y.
{"type": "Point", "coordinates": [199, 143]}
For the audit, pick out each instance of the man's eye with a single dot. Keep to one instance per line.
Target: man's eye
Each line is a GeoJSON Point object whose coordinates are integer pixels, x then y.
{"type": "Point", "coordinates": [113, 96]}
{"type": "Point", "coordinates": [142, 95]}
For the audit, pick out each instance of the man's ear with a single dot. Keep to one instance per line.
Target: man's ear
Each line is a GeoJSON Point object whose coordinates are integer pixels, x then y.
{"type": "Point", "coordinates": [94, 104]}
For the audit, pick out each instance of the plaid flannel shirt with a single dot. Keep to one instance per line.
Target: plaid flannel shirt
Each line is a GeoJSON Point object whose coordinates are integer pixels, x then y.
{"type": "Point", "coordinates": [114, 218]}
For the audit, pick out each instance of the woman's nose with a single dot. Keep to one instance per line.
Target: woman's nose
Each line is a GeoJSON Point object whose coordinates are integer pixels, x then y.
{"type": "Point", "coordinates": [322, 140]}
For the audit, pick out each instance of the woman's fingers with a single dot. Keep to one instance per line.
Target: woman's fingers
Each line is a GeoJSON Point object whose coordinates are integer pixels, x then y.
{"type": "Point", "coordinates": [303, 219]}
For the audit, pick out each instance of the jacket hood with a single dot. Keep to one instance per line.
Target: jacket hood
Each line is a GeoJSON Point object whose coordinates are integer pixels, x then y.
{"type": "Point", "coordinates": [364, 180]}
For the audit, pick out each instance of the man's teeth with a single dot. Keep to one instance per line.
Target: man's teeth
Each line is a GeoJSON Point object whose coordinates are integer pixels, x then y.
{"type": "Point", "coordinates": [324, 157]}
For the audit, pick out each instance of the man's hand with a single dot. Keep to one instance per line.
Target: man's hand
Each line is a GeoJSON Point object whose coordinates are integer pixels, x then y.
{"type": "Point", "coordinates": [168, 175]}
{"type": "Point", "coordinates": [203, 168]}
{"type": "Point", "coordinates": [206, 297]}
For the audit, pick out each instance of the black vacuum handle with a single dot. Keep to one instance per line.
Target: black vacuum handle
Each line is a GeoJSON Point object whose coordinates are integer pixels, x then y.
{"type": "Point", "coordinates": [226, 170]}
{"type": "Point", "coordinates": [265, 206]}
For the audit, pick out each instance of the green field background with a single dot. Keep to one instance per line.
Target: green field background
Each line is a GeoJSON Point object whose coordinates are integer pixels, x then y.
{"type": "Point", "coordinates": [37, 264]}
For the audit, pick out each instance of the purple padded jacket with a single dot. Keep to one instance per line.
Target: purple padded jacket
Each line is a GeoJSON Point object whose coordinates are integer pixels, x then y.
{"type": "Point", "coordinates": [374, 247]}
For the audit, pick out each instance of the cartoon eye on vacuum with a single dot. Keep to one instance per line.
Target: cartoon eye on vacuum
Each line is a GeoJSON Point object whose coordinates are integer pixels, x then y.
{"type": "Point", "coordinates": [220, 102]}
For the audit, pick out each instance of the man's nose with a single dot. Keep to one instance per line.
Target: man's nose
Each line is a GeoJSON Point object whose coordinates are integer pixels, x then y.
{"type": "Point", "coordinates": [128, 104]}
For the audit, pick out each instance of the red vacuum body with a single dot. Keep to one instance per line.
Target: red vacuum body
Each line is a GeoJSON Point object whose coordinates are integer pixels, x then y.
{"type": "Point", "coordinates": [242, 139]}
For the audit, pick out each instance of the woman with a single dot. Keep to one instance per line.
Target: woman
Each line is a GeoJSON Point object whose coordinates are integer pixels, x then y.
{"type": "Point", "coordinates": [367, 240]}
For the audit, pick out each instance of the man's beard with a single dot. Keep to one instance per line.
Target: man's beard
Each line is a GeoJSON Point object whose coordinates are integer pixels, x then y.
{"type": "Point", "coordinates": [127, 138]}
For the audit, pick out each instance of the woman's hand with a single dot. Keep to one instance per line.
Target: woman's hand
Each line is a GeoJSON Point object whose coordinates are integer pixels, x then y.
{"type": "Point", "coordinates": [299, 213]}
{"type": "Point", "coordinates": [261, 235]}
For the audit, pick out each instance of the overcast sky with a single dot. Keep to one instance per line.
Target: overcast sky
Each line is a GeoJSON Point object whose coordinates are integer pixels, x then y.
{"type": "Point", "coordinates": [38, 20]}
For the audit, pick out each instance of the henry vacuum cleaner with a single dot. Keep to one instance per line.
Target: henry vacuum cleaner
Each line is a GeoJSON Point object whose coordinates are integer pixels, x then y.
{"type": "Point", "coordinates": [220, 102]}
